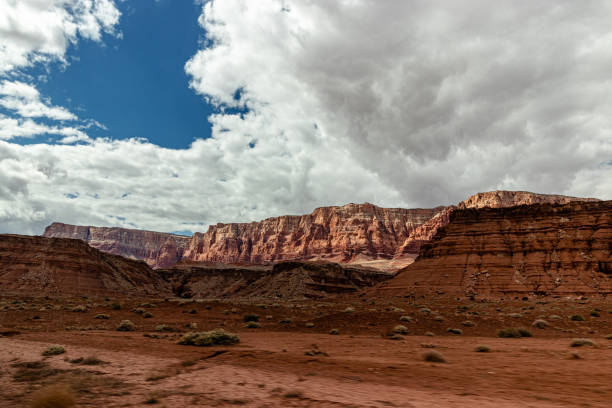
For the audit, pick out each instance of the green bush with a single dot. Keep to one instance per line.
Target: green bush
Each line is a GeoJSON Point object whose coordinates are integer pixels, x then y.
{"type": "Point", "coordinates": [210, 338]}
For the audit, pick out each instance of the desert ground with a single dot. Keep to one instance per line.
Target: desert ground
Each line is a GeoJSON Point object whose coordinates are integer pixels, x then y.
{"type": "Point", "coordinates": [290, 358]}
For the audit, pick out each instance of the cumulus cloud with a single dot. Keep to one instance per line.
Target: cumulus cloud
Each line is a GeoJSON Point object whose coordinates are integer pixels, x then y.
{"type": "Point", "coordinates": [35, 31]}
{"type": "Point", "coordinates": [400, 103]}
{"type": "Point", "coordinates": [24, 99]}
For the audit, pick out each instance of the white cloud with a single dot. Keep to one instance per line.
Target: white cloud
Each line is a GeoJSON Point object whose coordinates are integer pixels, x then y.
{"type": "Point", "coordinates": [24, 99]}
{"type": "Point", "coordinates": [398, 103]}
{"type": "Point", "coordinates": [34, 31]}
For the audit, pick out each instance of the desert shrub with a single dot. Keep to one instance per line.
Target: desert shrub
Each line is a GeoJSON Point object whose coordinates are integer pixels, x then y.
{"type": "Point", "coordinates": [125, 325]}
{"type": "Point", "coordinates": [262, 306]}
{"type": "Point", "coordinates": [400, 329]}
{"type": "Point", "coordinates": [540, 324]}
{"type": "Point", "coordinates": [102, 316]}
{"type": "Point", "coordinates": [425, 310]}
{"type": "Point", "coordinates": [430, 334]}
{"type": "Point", "coordinates": [139, 310]}
{"type": "Point", "coordinates": [576, 318]}
{"type": "Point", "coordinates": [293, 394]}
{"type": "Point", "coordinates": [250, 318]}
{"type": "Point", "coordinates": [334, 331]}
{"type": "Point", "coordinates": [468, 323]}
{"type": "Point", "coordinates": [253, 325]}
{"type": "Point", "coordinates": [554, 317]}
{"type": "Point", "coordinates": [163, 328]}
{"type": "Point", "coordinates": [609, 337]}
{"type": "Point", "coordinates": [53, 351]}
{"type": "Point", "coordinates": [406, 319]}
{"type": "Point", "coordinates": [91, 360]}
{"type": "Point", "coordinates": [147, 315]}
{"type": "Point", "coordinates": [349, 309]}
{"type": "Point", "coordinates": [210, 338]}
{"type": "Point", "coordinates": [54, 396]}
{"type": "Point", "coordinates": [582, 342]}
{"type": "Point", "coordinates": [116, 306]}
{"type": "Point", "coordinates": [515, 315]}
{"type": "Point", "coordinates": [482, 348]}
{"type": "Point", "coordinates": [433, 356]}
{"type": "Point", "coordinates": [455, 331]}
{"type": "Point", "coordinates": [439, 319]}
{"type": "Point", "coordinates": [594, 313]}
{"type": "Point", "coordinates": [79, 308]}
{"type": "Point", "coordinates": [269, 317]}
{"type": "Point", "coordinates": [286, 320]}
{"type": "Point", "coordinates": [310, 325]}
{"type": "Point", "coordinates": [513, 332]}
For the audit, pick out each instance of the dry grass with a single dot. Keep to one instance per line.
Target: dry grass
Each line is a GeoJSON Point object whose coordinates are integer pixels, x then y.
{"type": "Point", "coordinates": [210, 338]}
{"type": "Point", "coordinates": [54, 351]}
{"type": "Point", "coordinates": [53, 396]}
{"type": "Point", "coordinates": [582, 342]}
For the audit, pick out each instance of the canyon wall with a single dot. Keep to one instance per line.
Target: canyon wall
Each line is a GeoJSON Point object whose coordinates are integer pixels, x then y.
{"type": "Point", "coordinates": [69, 266]}
{"type": "Point", "coordinates": [351, 233]}
{"type": "Point", "coordinates": [383, 238]}
{"type": "Point", "coordinates": [541, 249]}
{"type": "Point", "coordinates": [157, 249]}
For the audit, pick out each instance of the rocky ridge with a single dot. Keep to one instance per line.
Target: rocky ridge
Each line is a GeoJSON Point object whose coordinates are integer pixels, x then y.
{"type": "Point", "coordinates": [360, 234]}
{"type": "Point", "coordinates": [539, 249]}
{"type": "Point", "coordinates": [157, 249]}
{"type": "Point", "coordinates": [69, 266]}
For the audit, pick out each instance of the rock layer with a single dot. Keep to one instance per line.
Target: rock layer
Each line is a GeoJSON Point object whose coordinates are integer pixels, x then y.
{"type": "Point", "coordinates": [541, 249]}
{"type": "Point", "coordinates": [157, 249]}
{"type": "Point", "coordinates": [351, 233]}
{"type": "Point", "coordinates": [383, 238]}
{"type": "Point", "coordinates": [70, 266]}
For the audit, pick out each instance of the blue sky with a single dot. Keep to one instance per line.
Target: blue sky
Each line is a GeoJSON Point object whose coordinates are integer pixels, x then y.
{"type": "Point", "coordinates": [416, 104]}
{"type": "Point", "coordinates": [136, 85]}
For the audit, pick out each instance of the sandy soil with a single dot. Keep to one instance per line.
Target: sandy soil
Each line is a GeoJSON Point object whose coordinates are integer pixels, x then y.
{"type": "Point", "coordinates": [270, 367]}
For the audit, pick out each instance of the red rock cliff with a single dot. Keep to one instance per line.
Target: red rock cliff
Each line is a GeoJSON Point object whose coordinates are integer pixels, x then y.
{"type": "Point", "coordinates": [536, 249]}
{"type": "Point", "coordinates": [157, 249]}
{"type": "Point", "coordinates": [69, 266]}
{"type": "Point", "coordinates": [354, 232]}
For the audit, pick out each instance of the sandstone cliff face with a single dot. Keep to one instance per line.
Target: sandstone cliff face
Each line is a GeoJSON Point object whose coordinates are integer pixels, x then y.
{"type": "Point", "coordinates": [501, 198]}
{"type": "Point", "coordinates": [383, 238]}
{"type": "Point", "coordinates": [157, 249]}
{"type": "Point", "coordinates": [349, 233]}
{"type": "Point", "coordinates": [536, 249]}
{"type": "Point", "coordinates": [284, 280]}
{"type": "Point", "coordinates": [69, 266]}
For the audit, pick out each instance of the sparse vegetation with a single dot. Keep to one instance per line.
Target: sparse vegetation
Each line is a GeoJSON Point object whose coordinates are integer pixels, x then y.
{"type": "Point", "coordinates": [582, 342]}
{"type": "Point", "coordinates": [513, 332]}
{"type": "Point", "coordinates": [102, 316]}
{"type": "Point", "coordinates": [454, 331]}
{"type": "Point", "coordinates": [79, 308]}
{"type": "Point", "coordinates": [482, 348]}
{"type": "Point", "coordinates": [125, 325]}
{"type": "Point", "coordinates": [349, 309]}
{"type": "Point", "coordinates": [147, 315]}
{"type": "Point", "coordinates": [576, 318]}
{"type": "Point", "coordinates": [540, 324]}
{"type": "Point", "coordinates": [310, 325]}
{"type": "Point", "coordinates": [163, 328]}
{"type": "Point", "coordinates": [116, 306]}
{"type": "Point", "coordinates": [400, 329]}
{"type": "Point", "coordinates": [250, 318]}
{"type": "Point", "coordinates": [53, 351]}
{"type": "Point", "coordinates": [286, 320]}
{"type": "Point", "coordinates": [293, 394]}
{"type": "Point", "coordinates": [253, 325]}
{"type": "Point", "coordinates": [406, 319]}
{"type": "Point", "coordinates": [433, 356]}
{"type": "Point", "coordinates": [334, 331]}
{"type": "Point", "coordinates": [210, 338]}
{"type": "Point", "coordinates": [54, 396]}
{"type": "Point", "coordinates": [468, 323]}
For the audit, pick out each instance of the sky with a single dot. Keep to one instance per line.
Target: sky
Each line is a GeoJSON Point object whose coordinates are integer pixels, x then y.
{"type": "Point", "coordinates": [175, 115]}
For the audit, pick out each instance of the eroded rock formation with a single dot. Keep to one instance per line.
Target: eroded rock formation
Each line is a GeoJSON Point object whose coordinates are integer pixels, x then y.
{"type": "Point", "coordinates": [283, 280]}
{"type": "Point", "coordinates": [543, 249]}
{"type": "Point", "coordinates": [383, 238]}
{"type": "Point", "coordinates": [69, 266]}
{"type": "Point", "coordinates": [157, 249]}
